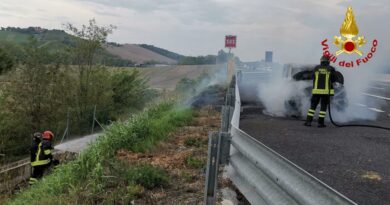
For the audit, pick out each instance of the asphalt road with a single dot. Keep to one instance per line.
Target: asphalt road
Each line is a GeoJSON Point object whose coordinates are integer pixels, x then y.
{"type": "Point", "coordinates": [353, 160]}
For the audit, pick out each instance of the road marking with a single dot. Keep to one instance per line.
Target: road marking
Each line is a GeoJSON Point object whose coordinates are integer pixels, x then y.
{"type": "Point", "coordinates": [375, 109]}
{"type": "Point", "coordinates": [378, 88]}
{"type": "Point", "coordinates": [383, 84]}
{"type": "Point", "coordinates": [376, 96]}
{"type": "Point", "coordinates": [361, 105]}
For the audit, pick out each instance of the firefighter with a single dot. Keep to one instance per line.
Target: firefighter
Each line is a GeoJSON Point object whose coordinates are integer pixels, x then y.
{"type": "Point", "coordinates": [41, 156]}
{"type": "Point", "coordinates": [323, 78]}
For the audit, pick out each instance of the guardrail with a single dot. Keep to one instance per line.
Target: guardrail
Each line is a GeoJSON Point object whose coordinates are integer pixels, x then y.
{"type": "Point", "coordinates": [261, 174]}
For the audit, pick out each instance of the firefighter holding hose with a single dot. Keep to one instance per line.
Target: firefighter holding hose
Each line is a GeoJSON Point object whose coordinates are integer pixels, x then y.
{"type": "Point", "coordinates": [324, 75]}
{"type": "Point", "coordinates": [41, 155]}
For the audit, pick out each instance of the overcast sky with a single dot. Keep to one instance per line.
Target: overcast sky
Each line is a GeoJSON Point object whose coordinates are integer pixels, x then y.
{"type": "Point", "coordinates": [293, 29]}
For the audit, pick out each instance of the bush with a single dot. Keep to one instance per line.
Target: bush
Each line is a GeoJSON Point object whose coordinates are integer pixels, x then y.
{"type": "Point", "coordinates": [148, 176]}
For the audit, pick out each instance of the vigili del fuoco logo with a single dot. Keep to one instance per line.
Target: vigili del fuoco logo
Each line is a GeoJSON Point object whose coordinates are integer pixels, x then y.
{"type": "Point", "coordinates": [349, 43]}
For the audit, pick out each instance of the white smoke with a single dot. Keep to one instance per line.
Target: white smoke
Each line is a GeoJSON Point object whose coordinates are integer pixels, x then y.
{"type": "Point", "coordinates": [275, 93]}
{"type": "Point", "coordinates": [215, 76]}
{"type": "Point", "coordinates": [357, 82]}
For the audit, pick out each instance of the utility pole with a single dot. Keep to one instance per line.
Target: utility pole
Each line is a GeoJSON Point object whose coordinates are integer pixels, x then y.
{"type": "Point", "coordinates": [66, 133]}
{"type": "Point", "coordinates": [67, 124]}
{"type": "Point", "coordinates": [93, 120]}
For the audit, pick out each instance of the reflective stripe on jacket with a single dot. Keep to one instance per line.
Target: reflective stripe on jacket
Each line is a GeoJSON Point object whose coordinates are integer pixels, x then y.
{"type": "Point", "coordinates": [42, 156]}
{"type": "Point", "coordinates": [322, 84]}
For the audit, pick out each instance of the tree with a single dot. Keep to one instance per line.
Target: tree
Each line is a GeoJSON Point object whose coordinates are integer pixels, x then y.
{"type": "Point", "coordinates": [36, 98]}
{"type": "Point", "coordinates": [90, 39]}
{"type": "Point", "coordinates": [43, 87]}
{"type": "Point", "coordinates": [130, 90]}
{"type": "Point", "coordinates": [200, 60]}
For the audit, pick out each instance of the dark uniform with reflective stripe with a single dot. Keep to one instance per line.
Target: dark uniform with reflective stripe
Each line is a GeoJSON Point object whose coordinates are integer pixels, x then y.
{"type": "Point", "coordinates": [323, 79]}
{"type": "Point", "coordinates": [41, 158]}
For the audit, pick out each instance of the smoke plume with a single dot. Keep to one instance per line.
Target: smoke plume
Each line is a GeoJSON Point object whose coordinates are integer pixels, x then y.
{"type": "Point", "coordinates": [279, 89]}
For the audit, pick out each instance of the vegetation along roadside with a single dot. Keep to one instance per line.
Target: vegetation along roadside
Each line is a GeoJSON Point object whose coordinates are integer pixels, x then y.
{"type": "Point", "coordinates": [98, 177]}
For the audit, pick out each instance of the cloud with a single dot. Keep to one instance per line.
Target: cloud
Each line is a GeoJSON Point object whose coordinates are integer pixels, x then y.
{"type": "Point", "coordinates": [293, 29]}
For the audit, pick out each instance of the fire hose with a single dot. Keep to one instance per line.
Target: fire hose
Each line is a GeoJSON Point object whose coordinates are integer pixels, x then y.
{"type": "Point", "coordinates": [349, 125]}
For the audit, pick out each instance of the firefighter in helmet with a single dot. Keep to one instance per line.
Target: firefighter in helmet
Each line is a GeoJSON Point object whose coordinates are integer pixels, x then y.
{"type": "Point", "coordinates": [324, 75]}
{"type": "Point", "coordinates": [41, 155]}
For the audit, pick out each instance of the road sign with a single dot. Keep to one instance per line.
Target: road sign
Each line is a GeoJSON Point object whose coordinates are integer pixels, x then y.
{"type": "Point", "coordinates": [230, 41]}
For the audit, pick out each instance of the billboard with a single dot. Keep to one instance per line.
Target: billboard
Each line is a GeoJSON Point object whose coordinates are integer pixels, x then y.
{"type": "Point", "coordinates": [230, 41]}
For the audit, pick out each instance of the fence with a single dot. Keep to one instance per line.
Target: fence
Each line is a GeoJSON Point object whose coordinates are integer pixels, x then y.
{"type": "Point", "coordinates": [262, 175]}
{"type": "Point", "coordinates": [14, 173]}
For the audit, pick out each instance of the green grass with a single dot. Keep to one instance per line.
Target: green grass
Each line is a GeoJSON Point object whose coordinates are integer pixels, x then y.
{"type": "Point", "coordinates": [195, 162]}
{"type": "Point", "coordinates": [95, 177]}
{"type": "Point", "coordinates": [188, 177]}
{"type": "Point", "coordinates": [194, 142]}
{"type": "Point", "coordinates": [148, 176]}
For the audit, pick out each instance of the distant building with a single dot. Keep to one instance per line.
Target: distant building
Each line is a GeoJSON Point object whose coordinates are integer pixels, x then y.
{"type": "Point", "coordinates": [268, 56]}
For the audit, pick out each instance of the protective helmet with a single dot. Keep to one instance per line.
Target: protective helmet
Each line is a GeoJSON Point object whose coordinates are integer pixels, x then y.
{"type": "Point", "coordinates": [325, 59]}
{"type": "Point", "coordinates": [48, 135]}
{"type": "Point", "coordinates": [37, 137]}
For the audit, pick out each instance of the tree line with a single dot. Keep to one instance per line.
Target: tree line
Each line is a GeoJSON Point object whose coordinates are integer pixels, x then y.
{"type": "Point", "coordinates": [221, 57]}
{"type": "Point", "coordinates": [40, 88]}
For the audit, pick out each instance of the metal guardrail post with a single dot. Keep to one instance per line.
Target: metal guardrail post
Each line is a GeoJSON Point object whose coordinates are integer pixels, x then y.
{"type": "Point", "coordinates": [228, 98]}
{"type": "Point", "coordinates": [224, 151]}
{"type": "Point", "coordinates": [225, 118]}
{"type": "Point", "coordinates": [231, 112]}
{"type": "Point", "coordinates": [231, 103]}
{"type": "Point", "coordinates": [212, 169]}
{"type": "Point", "coordinates": [233, 98]}
{"type": "Point", "coordinates": [219, 147]}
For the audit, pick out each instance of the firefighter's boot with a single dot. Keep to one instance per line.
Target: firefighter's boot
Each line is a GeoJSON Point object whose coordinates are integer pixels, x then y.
{"type": "Point", "coordinates": [321, 122]}
{"type": "Point", "coordinates": [309, 118]}
{"type": "Point", "coordinates": [308, 121]}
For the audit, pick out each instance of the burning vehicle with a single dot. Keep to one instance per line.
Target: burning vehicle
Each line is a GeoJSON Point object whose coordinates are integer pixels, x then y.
{"type": "Point", "coordinates": [300, 81]}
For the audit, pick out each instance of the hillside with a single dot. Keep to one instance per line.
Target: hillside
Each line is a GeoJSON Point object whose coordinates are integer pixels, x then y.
{"type": "Point", "coordinates": [166, 78]}
{"type": "Point", "coordinates": [138, 54]}
{"type": "Point", "coordinates": [113, 54]}
{"type": "Point", "coordinates": [163, 52]}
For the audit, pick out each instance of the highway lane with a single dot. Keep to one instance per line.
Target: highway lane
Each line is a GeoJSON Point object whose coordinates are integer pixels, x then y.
{"type": "Point", "coordinates": [378, 99]}
{"type": "Point", "coordinates": [353, 160]}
